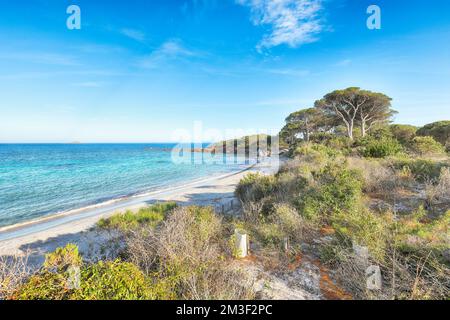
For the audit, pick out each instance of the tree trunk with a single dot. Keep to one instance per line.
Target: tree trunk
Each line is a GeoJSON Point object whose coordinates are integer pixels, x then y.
{"type": "Point", "coordinates": [363, 127]}
{"type": "Point", "coordinates": [306, 129]}
{"type": "Point", "coordinates": [350, 130]}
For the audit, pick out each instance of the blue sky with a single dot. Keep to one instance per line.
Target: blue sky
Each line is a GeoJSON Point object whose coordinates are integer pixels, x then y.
{"type": "Point", "coordinates": [138, 71]}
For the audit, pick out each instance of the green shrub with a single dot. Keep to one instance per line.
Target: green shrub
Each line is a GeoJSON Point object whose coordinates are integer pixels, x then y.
{"type": "Point", "coordinates": [318, 150]}
{"type": "Point", "coordinates": [361, 226]}
{"type": "Point", "coordinates": [422, 170]}
{"type": "Point", "coordinates": [338, 189]}
{"type": "Point", "coordinates": [45, 285]}
{"type": "Point", "coordinates": [403, 133]}
{"type": "Point", "coordinates": [255, 186]}
{"type": "Point", "coordinates": [340, 143]}
{"type": "Point", "coordinates": [440, 131]}
{"type": "Point", "coordinates": [102, 281]}
{"type": "Point", "coordinates": [380, 132]}
{"type": "Point", "coordinates": [289, 220]}
{"type": "Point", "coordinates": [129, 220]}
{"type": "Point", "coordinates": [62, 258]}
{"type": "Point", "coordinates": [426, 146]}
{"type": "Point", "coordinates": [416, 231]}
{"type": "Point", "coordinates": [269, 234]}
{"type": "Point", "coordinates": [321, 137]}
{"type": "Point", "coordinates": [380, 148]}
{"type": "Point", "coordinates": [113, 280]}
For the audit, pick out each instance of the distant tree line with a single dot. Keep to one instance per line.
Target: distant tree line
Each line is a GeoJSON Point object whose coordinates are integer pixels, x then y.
{"type": "Point", "coordinates": [353, 110]}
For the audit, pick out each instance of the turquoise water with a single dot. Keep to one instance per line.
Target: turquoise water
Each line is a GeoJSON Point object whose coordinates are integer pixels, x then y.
{"type": "Point", "coordinates": [37, 180]}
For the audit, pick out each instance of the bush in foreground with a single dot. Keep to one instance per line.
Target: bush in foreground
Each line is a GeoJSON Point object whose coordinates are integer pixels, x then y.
{"type": "Point", "coordinates": [64, 277]}
{"type": "Point", "coordinates": [337, 189]}
{"type": "Point", "coordinates": [185, 257]}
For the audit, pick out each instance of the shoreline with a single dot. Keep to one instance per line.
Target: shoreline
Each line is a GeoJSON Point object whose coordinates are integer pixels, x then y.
{"type": "Point", "coordinates": [112, 201]}
{"type": "Point", "coordinates": [215, 190]}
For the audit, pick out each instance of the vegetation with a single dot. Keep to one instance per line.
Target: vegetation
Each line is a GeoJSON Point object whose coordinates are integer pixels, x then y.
{"type": "Point", "coordinates": [356, 192]}
{"type": "Point", "coordinates": [354, 106]}
{"type": "Point", "coordinates": [380, 148]}
{"type": "Point", "coordinates": [180, 257]}
{"type": "Point", "coordinates": [404, 133]}
{"type": "Point", "coordinates": [381, 187]}
{"type": "Point", "coordinates": [146, 216]}
{"type": "Point", "coordinates": [64, 277]}
{"type": "Point", "coordinates": [440, 131]}
{"type": "Point", "coordinates": [245, 145]}
{"type": "Point", "coordinates": [426, 146]}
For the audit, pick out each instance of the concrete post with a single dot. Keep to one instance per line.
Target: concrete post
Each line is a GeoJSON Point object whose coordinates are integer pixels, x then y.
{"type": "Point", "coordinates": [241, 244]}
{"type": "Point", "coordinates": [286, 244]}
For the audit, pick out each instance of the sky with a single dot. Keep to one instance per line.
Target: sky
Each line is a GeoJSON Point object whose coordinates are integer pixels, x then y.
{"type": "Point", "coordinates": [152, 71]}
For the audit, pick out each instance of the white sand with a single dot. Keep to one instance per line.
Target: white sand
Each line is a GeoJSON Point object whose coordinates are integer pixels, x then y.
{"type": "Point", "coordinates": [44, 235]}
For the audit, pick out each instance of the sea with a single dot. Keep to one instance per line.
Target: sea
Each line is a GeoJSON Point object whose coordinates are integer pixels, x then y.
{"type": "Point", "coordinates": [38, 180]}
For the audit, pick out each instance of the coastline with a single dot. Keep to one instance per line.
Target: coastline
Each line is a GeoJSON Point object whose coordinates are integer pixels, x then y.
{"type": "Point", "coordinates": [52, 230]}
{"type": "Point", "coordinates": [110, 202]}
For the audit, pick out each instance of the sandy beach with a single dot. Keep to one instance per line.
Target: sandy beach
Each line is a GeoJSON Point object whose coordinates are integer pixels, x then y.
{"type": "Point", "coordinates": [36, 238]}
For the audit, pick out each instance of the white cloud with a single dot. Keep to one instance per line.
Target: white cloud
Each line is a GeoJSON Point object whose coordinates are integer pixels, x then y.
{"type": "Point", "coordinates": [133, 34]}
{"type": "Point", "coordinates": [344, 63]}
{"type": "Point", "coordinates": [290, 72]}
{"type": "Point", "coordinates": [293, 22]}
{"type": "Point", "coordinates": [89, 84]}
{"type": "Point", "coordinates": [169, 50]}
{"type": "Point", "coordinates": [41, 58]}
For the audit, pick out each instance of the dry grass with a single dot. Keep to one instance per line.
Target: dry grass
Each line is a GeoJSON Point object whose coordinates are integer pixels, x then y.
{"type": "Point", "coordinates": [378, 178]}
{"type": "Point", "coordinates": [187, 254]}
{"type": "Point", "coordinates": [403, 277]}
{"type": "Point", "coordinates": [13, 272]}
{"type": "Point", "coordinates": [438, 193]}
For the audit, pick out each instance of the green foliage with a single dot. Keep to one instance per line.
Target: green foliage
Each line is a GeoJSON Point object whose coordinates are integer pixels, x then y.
{"type": "Point", "coordinates": [113, 280]}
{"type": "Point", "coordinates": [305, 122]}
{"type": "Point", "coordinates": [317, 150]}
{"type": "Point", "coordinates": [426, 146]}
{"type": "Point", "coordinates": [269, 234]}
{"type": "Point", "coordinates": [130, 220]}
{"type": "Point", "coordinates": [422, 169]}
{"type": "Point", "coordinates": [346, 105]}
{"type": "Point", "coordinates": [363, 227]}
{"type": "Point", "coordinates": [45, 285]}
{"type": "Point", "coordinates": [62, 258]}
{"type": "Point", "coordinates": [380, 148]}
{"type": "Point", "coordinates": [380, 132]}
{"type": "Point", "coordinates": [404, 133]}
{"type": "Point", "coordinates": [440, 131]}
{"type": "Point", "coordinates": [255, 186]}
{"type": "Point", "coordinates": [418, 235]}
{"type": "Point", "coordinates": [338, 189]}
{"type": "Point", "coordinates": [288, 219]}
{"type": "Point", "coordinates": [206, 224]}
{"type": "Point", "coordinates": [102, 281]}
